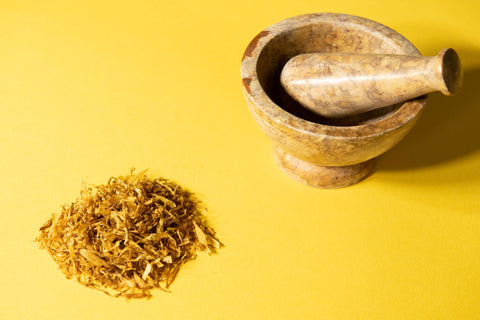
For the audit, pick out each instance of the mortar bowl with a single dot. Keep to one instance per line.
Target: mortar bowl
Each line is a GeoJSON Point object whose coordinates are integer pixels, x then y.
{"type": "Point", "coordinates": [316, 151]}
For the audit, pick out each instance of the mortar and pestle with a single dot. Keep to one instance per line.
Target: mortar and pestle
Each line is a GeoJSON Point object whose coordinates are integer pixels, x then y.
{"type": "Point", "coordinates": [334, 91]}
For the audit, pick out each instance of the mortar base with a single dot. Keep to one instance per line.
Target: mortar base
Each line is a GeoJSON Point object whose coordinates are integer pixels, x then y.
{"type": "Point", "coordinates": [318, 176]}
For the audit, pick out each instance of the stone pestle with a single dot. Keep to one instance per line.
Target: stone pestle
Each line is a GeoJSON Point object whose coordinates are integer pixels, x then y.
{"type": "Point", "coordinates": [342, 84]}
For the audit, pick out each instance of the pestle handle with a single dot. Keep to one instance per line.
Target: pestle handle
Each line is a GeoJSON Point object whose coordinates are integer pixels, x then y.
{"type": "Point", "coordinates": [342, 84]}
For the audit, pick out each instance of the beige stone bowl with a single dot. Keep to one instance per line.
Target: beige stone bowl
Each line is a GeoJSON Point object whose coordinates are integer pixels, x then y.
{"type": "Point", "coordinates": [316, 151]}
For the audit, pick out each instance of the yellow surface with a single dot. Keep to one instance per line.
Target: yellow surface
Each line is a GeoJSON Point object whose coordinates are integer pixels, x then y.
{"type": "Point", "coordinates": [92, 88]}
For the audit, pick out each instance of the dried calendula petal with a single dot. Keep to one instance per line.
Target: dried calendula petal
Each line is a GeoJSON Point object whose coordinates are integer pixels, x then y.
{"type": "Point", "coordinates": [202, 239]}
{"type": "Point", "coordinates": [129, 236]}
{"type": "Point", "coordinates": [147, 271]}
{"type": "Point", "coordinates": [93, 258]}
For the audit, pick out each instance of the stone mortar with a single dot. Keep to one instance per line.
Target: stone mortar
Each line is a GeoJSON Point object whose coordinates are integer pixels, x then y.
{"type": "Point", "coordinates": [317, 151]}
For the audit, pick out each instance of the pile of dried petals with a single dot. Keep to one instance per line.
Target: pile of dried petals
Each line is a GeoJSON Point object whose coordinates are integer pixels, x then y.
{"type": "Point", "coordinates": [128, 236]}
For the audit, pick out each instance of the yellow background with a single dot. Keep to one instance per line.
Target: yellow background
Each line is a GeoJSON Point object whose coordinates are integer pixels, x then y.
{"type": "Point", "coordinates": [89, 89]}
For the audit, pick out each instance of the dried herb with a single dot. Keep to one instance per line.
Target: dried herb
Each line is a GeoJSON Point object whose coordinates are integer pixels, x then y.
{"type": "Point", "coordinates": [128, 236]}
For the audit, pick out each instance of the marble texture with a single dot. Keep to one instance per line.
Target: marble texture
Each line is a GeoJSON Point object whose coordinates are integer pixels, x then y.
{"type": "Point", "coordinates": [344, 84]}
{"type": "Point", "coordinates": [323, 147]}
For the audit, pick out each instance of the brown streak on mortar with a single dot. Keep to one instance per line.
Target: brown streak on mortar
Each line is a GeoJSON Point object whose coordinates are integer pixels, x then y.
{"type": "Point", "coordinates": [253, 44]}
{"type": "Point", "coordinates": [246, 84]}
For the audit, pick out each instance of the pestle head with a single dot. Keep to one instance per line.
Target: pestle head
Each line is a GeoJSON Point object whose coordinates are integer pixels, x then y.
{"type": "Point", "coordinates": [343, 84]}
{"type": "Point", "coordinates": [452, 73]}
